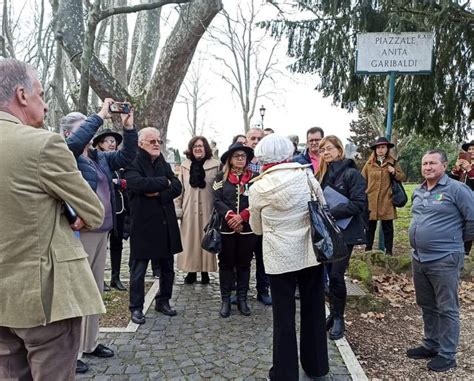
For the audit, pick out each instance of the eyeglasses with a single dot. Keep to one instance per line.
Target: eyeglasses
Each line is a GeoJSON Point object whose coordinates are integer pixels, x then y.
{"type": "Point", "coordinates": [198, 146]}
{"type": "Point", "coordinates": [239, 157]}
{"type": "Point", "coordinates": [327, 149]}
{"type": "Point", "coordinates": [109, 140]}
{"type": "Point", "coordinates": [154, 141]}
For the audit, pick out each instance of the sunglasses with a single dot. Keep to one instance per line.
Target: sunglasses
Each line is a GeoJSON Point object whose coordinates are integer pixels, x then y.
{"type": "Point", "coordinates": [154, 141]}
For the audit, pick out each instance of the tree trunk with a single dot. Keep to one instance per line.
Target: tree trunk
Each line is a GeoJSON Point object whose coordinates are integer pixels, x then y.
{"type": "Point", "coordinates": [174, 61]}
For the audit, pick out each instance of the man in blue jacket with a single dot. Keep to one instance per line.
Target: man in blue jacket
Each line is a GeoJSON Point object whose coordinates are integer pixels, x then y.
{"type": "Point", "coordinates": [311, 154]}
{"type": "Point", "coordinates": [96, 167]}
{"type": "Point", "coordinates": [443, 218]}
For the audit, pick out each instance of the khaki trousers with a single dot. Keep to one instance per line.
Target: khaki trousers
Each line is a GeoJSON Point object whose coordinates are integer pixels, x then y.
{"type": "Point", "coordinates": [95, 244]}
{"type": "Point", "coordinates": [42, 353]}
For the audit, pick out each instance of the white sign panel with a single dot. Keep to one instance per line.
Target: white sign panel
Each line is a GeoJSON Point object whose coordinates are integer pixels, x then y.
{"type": "Point", "coordinates": [381, 53]}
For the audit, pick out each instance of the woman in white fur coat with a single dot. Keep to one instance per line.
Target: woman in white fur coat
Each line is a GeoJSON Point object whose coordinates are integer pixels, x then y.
{"type": "Point", "coordinates": [279, 210]}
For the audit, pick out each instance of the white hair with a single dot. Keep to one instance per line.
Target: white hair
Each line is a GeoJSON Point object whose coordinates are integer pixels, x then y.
{"type": "Point", "coordinates": [274, 148]}
{"type": "Point", "coordinates": [67, 122]}
{"type": "Point", "coordinates": [14, 73]}
{"type": "Point", "coordinates": [144, 131]}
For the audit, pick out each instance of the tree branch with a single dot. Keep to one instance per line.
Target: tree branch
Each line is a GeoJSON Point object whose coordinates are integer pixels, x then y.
{"type": "Point", "coordinates": [137, 8]}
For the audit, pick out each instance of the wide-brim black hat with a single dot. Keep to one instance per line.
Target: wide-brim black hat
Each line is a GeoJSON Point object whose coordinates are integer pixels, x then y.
{"type": "Point", "coordinates": [466, 146]}
{"type": "Point", "coordinates": [237, 147]}
{"type": "Point", "coordinates": [382, 142]}
{"type": "Point", "coordinates": [103, 134]}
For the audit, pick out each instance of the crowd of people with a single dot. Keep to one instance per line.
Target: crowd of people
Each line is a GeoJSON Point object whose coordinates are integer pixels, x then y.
{"type": "Point", "coordinates": [120, 185]}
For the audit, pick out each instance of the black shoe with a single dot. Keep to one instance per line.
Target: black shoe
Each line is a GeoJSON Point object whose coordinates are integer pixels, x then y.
{"type": "Point", "coordinates": [101, 351]}
{"type": "Point", "coordinates": [106, 287]}
{"type": "Point", "coordinates": [329, 322]}
{"type": "Point", "coordinates": [225, 308]}
{"type": "Point", "coordinates": [190, 278]}
{"type": "Point", "coordinates": [81, 367]}
{"type": "Point", "coordinates": [387, 252]}
{"type": "Point", "coordinates": [441, 364]}
{"type": "Point", "coordinates": [420, 353]}
{"type": "Point", "coordinates": [138, 317]}
{"type": "Point", "coordinates": [233, 299]}
{"type": "Point", "coordinates": [265, 299]}
{"type": "Point", "coordinates": [243, 307]}
{"type": "Point", "coordinates": [205, 278]}
{"type": "Point", "coordinates": [165, 308]}
{"type": "Point", "coordinates": [116, 283]}
{"type": "Point", "coordinates": [337, 330]}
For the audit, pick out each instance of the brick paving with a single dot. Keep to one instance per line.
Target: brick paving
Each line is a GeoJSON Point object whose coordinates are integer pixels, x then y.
{"type": "Point", "coordinates": [197, 344]}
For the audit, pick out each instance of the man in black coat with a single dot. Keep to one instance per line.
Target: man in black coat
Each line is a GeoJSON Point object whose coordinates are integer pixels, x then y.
{"type": "Point", "coordinates": [154, 231]}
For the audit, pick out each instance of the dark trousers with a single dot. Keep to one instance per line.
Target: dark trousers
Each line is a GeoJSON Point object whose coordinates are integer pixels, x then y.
{"type": "Point", "coordinates": [40, 353]}
{"type": "Point", "coordinates": [387, 229]}
{"type": "Point", "coordinates": [336, 270]}
{"type": "Point", "coordinates": [467, 247]}
{"type": "Point", "coordinates": [436, 288]}
{"type": "Point", "coordinates": [263, 283]}
{"type": "Point", "coordinates": [237, 251]}
{"type": "Point", "coordinates": [313, 341]}
{"type": "Point", "coordinates": [137, 281]}
{"type": "Point", "coordinates": [116, 245]}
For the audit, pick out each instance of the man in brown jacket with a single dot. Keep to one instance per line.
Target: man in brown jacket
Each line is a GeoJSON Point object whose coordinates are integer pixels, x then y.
{"type": "Point", "coordinates": [46, 282]}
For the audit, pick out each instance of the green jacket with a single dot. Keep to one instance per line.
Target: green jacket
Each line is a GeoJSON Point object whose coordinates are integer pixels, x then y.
{"type": "Point", "coordinates": [44, 272]}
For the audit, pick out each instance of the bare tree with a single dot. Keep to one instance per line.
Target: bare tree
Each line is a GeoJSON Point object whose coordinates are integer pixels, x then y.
{"type": "Point", "coordinates": [252, 63]}
{"type": "Point", "coordinates": [158, 90]}
{"type": "Point", "coordinates": [193, 95]}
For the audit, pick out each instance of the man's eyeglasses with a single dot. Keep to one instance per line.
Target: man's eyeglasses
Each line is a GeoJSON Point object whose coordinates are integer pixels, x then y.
{"type": "Point", "coordinates": [239, 157]}
{"type": "Point", "coordinates": [154, 142]}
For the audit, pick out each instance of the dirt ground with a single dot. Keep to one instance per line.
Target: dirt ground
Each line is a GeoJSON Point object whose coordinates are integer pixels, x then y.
{"type": "Point", "coordinates": [380, 340]}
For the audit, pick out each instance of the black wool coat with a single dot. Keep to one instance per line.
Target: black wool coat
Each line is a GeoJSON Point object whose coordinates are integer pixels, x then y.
{"type": "Point", "coordinates": [154, 231]}
{"type": "Point", "coordinates": [344, 177]}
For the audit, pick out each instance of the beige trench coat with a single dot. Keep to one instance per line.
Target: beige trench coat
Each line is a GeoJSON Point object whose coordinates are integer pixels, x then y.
{"type": "Point", "coordinates": [44, 272]}
{"type": "Point", "coordinates": [194, 207]}
{"type": "Point", "coordinates": [379, 189]}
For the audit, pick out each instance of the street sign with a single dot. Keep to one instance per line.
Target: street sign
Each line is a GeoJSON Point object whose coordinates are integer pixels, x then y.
{"type": "Point", "coordinates": [382, 53]}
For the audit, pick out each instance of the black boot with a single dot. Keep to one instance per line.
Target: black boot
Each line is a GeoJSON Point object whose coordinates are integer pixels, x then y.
{"type": "Point", "coordinates": [190, 278]}
{"type": "Point", "coordinates": [116, 283]}
{"type": "Point", "coordinates": [205, 278]}
{"type": "Point", "coordinates": [225, 283]}
{"type": "Point", "coordinates": [337, 330]}
{"type": "Point", "coordinates": [243, 279]}
{"type": "Point", "coordinates": [330, 317]}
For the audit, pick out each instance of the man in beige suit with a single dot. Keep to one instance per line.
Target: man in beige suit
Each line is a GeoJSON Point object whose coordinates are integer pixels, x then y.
{"type": "Point", "coordinates": [45, 279]}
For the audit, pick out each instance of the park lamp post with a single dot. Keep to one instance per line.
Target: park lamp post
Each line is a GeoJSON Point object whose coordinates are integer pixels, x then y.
{"type": "Point", "coordinates": [262, 113]}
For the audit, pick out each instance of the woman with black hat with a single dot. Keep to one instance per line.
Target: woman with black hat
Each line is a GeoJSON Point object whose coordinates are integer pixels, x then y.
{"type": "Point", "coordinates": [379, 170]}
{"type": "Point", "coordinates": [463, 171]}
{"type": "Point", "coordinates": [108, 141]}
{"type": "Point", "coordinates": [238, 241]}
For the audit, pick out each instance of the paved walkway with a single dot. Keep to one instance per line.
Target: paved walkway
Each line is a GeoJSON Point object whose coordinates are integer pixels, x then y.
{"type": "Point", "coordinates": [197, 344]}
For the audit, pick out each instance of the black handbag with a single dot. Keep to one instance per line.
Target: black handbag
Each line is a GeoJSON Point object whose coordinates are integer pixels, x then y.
{"type": "Point", "coordinates": [212, 240]}
{"type": "Point", "coordinates": [327, 238]}
{"type": "Point", "coordinates": [399, 196]}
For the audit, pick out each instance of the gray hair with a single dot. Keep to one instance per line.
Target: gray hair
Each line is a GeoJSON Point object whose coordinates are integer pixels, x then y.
{"type": "Point", "coordinates": [274, 148]}
{"type": "Point", "coordinates": [294, 139]}
{"type": "Point", "coordinates": [441, 153]}
{"type": "Point", "coordinates": [14, 73]}
{"type": "Point", "coordinates": [67, 122]}
{"type": "Point", "coordinates": [143, 132]}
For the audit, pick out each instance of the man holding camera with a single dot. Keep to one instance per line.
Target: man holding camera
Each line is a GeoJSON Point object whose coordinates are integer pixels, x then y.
{"type": "Point", "coordinates": [47, 284]}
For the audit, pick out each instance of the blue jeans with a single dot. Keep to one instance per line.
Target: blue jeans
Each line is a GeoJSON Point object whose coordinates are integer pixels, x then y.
{"type": "Point", "coordinates": [436, 286]}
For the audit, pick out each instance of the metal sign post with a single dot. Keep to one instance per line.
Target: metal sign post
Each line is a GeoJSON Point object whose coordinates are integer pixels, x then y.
{"type": "Point", "coordinates": [392, 54]}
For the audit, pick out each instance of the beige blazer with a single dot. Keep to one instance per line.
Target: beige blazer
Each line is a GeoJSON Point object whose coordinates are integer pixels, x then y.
{"type": "Point", "coordinates": [44, 272]}
{"type": "Point", "coordinates": [194, 207]}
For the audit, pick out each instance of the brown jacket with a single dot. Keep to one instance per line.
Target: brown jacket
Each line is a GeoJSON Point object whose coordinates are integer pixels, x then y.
{"type": "Point", "coordinates": [194, 207]}
{"type": "Point", "coordinates": [379, 190]}
{"type": "Point", "coordinates": [44, 272]}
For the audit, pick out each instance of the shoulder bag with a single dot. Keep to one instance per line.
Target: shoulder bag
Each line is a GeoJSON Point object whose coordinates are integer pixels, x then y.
{"type": "Point", "coordinates": [327, 238]}
{"type": "Point", "coordinates": [212, 240]}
